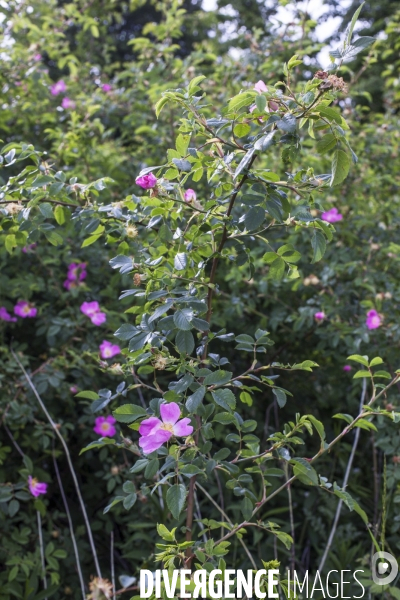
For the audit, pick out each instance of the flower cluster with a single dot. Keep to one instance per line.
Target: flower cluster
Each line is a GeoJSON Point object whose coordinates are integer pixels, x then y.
{"type": "Point", "coordinates": [76, 274]}
{"type": "Point", "coordinates": [156, 432]}
{"type": "Point", "coordinates": [108, 350]}
{"type": "Point", "coordinates": [92, 310]}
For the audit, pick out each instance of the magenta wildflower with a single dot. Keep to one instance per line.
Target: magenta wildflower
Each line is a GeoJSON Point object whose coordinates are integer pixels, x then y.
{"type": "Point", "coordinates": [58, 88]}
{"type": "Point", "coordinates": [27, 249]}
{"type": "Point", "coordinates": [373, 320]}
{"type": "Point", "coordinates": [104, 426]}
{"type": "Point", "coordinates": [77, 272]}
{"type": "Point", "coordinates": [190, 195]}
{"type": "Point", "coordinates": [73, 389]}
{"type": "Point", "coordinates": [332, 215]}
{"type": "Point", "coordinates": [68, 103]}
{"type": "Point", "coordinates": [347, 368]}
{"type": "Point", "coordinates": [260, 87]}
{"type": "Point", "coordinates": [37, 57]}
{"type": "Point", "coordinates": [5, 315]}
{"type": "Point", "coordinates": [25, 309]}
{"type": "Point", "coordinates": [92, 310]}
{"type": "Point", "coordinates": [156, 432]}
{"type": "Point", "coordinates": [320, 316]}
{"type": "Point", "coordinates": [108, 350]}
{"type": "Point", "coordinates": [36, 487]}
{"type": "Point", "coordinates": [106, 87]}
{"type": "Point", "coordinates": [147, 181]}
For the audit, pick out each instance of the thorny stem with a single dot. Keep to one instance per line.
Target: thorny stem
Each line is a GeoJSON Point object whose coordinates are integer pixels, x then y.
{"type": "Point", "coordinates": [71, 467]}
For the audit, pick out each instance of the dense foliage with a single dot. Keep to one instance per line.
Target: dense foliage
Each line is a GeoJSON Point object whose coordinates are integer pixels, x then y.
{"type": "Point", "coordinates": [192, 245]}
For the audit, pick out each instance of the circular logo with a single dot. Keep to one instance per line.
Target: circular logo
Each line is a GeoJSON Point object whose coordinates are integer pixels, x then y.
{"type": "Point", "coordinates": [384, 568]}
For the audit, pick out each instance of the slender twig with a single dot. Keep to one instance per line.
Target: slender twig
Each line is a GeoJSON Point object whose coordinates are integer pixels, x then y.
{"type": "Point", "coordinates": [291, 518]}
{"type": "Point", "coordinates": [39, 521]}
{"type": "Point", "coordinates": [70, 524]}
{"type": "Point", "coordinates": [345, 481]}
{"type": "Point", "coordinates": [228, 521]}
{"type": "Point", "coordinates": [112, 564]}
{"type": "Point", "coordinates": [71, 467]}
{"type": "Point", "coordinates": [10, 435]}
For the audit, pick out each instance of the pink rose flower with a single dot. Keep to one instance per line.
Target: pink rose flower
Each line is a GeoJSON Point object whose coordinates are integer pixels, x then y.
{"type": "Point", "coordinates": [260, 87]}
{"type": "Point", "coordinates": [68, 103]}
{"type": "Point", "coordinates": [106, 87]}
{"type": "Point", "coordinates": [190, 195]}
{"type": "Point", "coordinates": [320, 316]}
{"type": "Point", "coordinates": [332, 216]}
{"type": "Point", "coordinates": [5, 315]}
{"type": "Point", "coordinates": [108, 350]}
{"type": "Point", "coordinates": [104, 426]}
{"type": "Point", "coordinates": [76, 271]}
{"type": "Point", "coordinates": [58, 88]}
{"type": "Point", "coordinates": [147, 181]}
{"type": "Point", "coordinates": [24, 309]}
{"type": "Point", "coordinates": [36, 487]}
{"type": "Point", "coordinates": [373, 320]}
{"type": "Point", "coordinates": [156, 432]}
{"type": "Point", "coordinates": [347, 368]}
{"type": "Point", "coordinates": [99, 318]}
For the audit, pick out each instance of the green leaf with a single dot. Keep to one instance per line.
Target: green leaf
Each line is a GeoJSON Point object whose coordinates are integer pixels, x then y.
{"type": "Point", "coordinates": [185, 342]}
{"type": "Point", "coordinates": [176, 497]}
{"type": "Point", "coordinates": [224, 398]}
{"type": "Point", "coordinates": [326, 143]}
{"type": "Point", "coordinates": [280, 396]}
{"type": "Point", "coordinates": [87, 394]}
{"type": "Point", "coordinates": [182, 143]}
{"type": "Point", "coordinates": [353, 22]}
{"type": "Point", "coordinates": [165, 534]}
{"type": "Point", "coordinates": [318, 243]}
{"type": "Point", "coordinates": [318, 426]}
{"type": "Point", "coordinates": [193, 402]}
{"type": "Point", "coordinates": [344, 417]}
{"type": "Point", "coordinates": [127, 413]}
{"type": "Point", "coordinates": [254, 218]}
{"type": "Point", "coordinates": [182, 319]}
{"type": "Point", "coordinates": [376, 361]}
{"type": "Point", "coordinates": [160, 105]}
{"type": "Point", "coordinates": [129, 501]}
{"type": "Point", "coordinates": [261, 102]}
{"type": "Point", "coordinates": [180, 261]}
{"type": "Point", "coordinates": [59, 214]}
{"type": "Point", "coordinates": [218, 378]}
{"type": "Point", "coordinates": [246, 508]}
{"type": "Point", "coordinates": [361, 374]}
{"type": "Point", "coordinates": [277, 268]}
{"type": "Point", "coordinates": [363, 360]}
{"type": "Point", "coordinates": [241, 129]}
{"type": "Point", "coordinates": [139, 465]}
{"type": "Point", "coordinates": [224, 418]}
{"type": "Point", "coordinates": [244, 163]}
{"type": "Point", "coordinates": [264, 142]}
{"type": "Point", "coordinates": [340, 167]}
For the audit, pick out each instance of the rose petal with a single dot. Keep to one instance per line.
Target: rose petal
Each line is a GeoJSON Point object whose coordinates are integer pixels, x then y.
{"type": "Point", "coordinates": [148, 425]}
{"type": "Point", "coordinates": [150, 443]}
{"type": "Point", "coordinates": [170, 413]}
{"type": "Point", "coordinates": [182, 428]}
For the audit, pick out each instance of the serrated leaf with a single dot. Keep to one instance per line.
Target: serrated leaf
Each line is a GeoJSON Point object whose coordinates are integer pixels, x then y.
{"type": "Point", "coordinates": [326, 143]}
{"type": "Point", "coordinates": [361, 374]}
{"type": "Point", "coordinates": [127, 413]}
{"type": "Point", "coordinates": [277, 268]}
{"type": "Point", "coordinates": [246, 507]}
{"type": "Point", "coordinates": [185, 342]}
{"type": "Point", "coordinates": [183, 318]}
{"type": "Point", "coordinates": [176, 496]}
{"type": "Point", "coordinates": [287, 123]}
{"type": "Point", "coordinates": [318, 243]}
{"type": "Point", "coordinates": [180, 261]}
{"type": "Point", "coordinates": [264, 142]}
{"type": "Point", "coordinates": [340, 167]}
{"type": "Point", "coordinates": [193, 402]}
{"type": "Point", "coordinates": [254, 218]}
{"type": "Point", "coordinates": [218, 378]}
{"type": "Point", "coordinates": [363, 360]}
{"type": "Point", "coordinates": [280, 396]}
{"type": "Point", "coordinates": [244, 163]}
{"type": "Point", "coordinates": [224, 398]}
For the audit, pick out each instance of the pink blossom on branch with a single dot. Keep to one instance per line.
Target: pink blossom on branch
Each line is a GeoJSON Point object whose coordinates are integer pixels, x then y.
{"type": "Point", "coordinates": [320, 316]}
{"type": "Point", "coordinates": [92, 310]}
{"type": "Point", "coordinates": [24, 309]}
{"type": "Point", "coordinates": [146, 181]}
{"type": "Point", "coordinates": [99, 318]}
{"type": "Point", "coordinates": [190, 195]}
{"type": "Point", "coordinates": [76, 271]}
{"type": "Point", "coordinates": [5, 315]}
{"type": "Point", "coordinates": [260, 87]}
{"type": "Point", "coordinates": [108, 350]}
{"type": "Point", "coordinates": [373, 320]}
{"type": "Point", "coordinates": [104, 426]}
{"type": "Point", "coordinates": [106, 87]}
{"type": "Point", "coordinates": [156, 432]}
{"type": "Point", "coordinates": [36, 487]}
{"type": "Point", "coordinates": [67, 103]}
{"type": "Point", "coordinates": [332, 215]}
{"type": "Point", "coordinates": [347, 368]}
{"type": "Point", "coordinates": [58, 88]}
